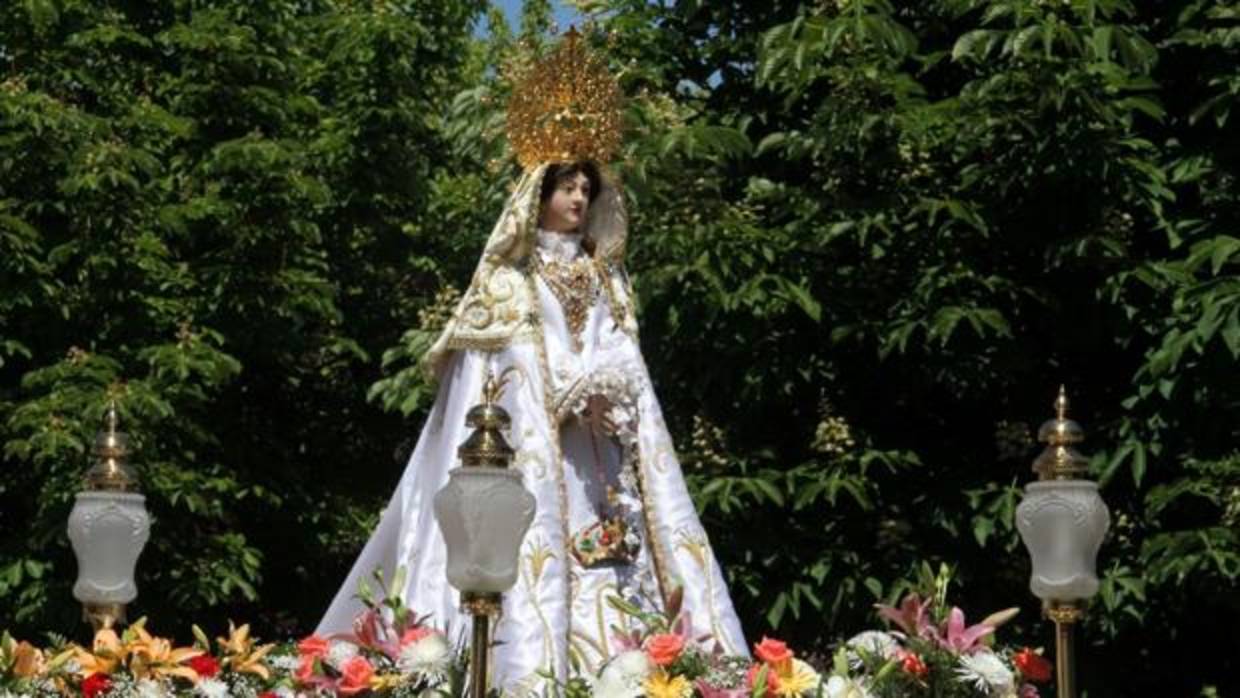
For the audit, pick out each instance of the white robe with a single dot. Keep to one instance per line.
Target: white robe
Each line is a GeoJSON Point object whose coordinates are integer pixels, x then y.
{"type": "Point", "coordinates": [557, 615]}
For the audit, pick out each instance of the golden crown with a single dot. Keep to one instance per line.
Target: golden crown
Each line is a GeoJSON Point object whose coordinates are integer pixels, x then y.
{"type": "Point", "coordinates": [564, 106]}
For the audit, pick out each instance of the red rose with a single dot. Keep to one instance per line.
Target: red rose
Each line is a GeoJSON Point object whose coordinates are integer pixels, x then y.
{"type": "Point", "coordinates": [771, 677]}
{"type": "Point", "coordinates": [773, 652]}
{"type": "Point", "coordinates": [205, 666]}
{"type": "Point", "coordinates": [268, 694]}
{"type": "Point", "coordinates": [665, 648]}
{"type": "Point", "coordinates": [355, 676]}
{"type": "Point", "coordinates": [1032, 665]}
{"type": "Point", "coordinates": [96, 685]}
{"type": "Point", "coordinates": [313, 646]}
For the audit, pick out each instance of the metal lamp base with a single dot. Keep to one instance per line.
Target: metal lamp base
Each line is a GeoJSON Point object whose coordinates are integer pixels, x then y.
{"type": "Point", "coordinates": [1065, 615]}
{"type": "Point", "coordinates": [103, 616]}
{"type": "Point", "coordinates": [481, 606]}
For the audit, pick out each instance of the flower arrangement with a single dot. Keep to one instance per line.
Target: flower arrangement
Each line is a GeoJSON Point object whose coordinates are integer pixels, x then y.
{"type": "Point", "coordinates": [391, 650]}
{"type": "Point", "coordinates": [929, 651]}
{"type": "Point", "coordinates": [662, 658]}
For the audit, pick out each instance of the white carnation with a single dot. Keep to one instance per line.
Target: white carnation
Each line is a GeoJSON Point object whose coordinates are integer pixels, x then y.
{"type": "Point", "coordinates": [871, 642]}
{"type": "Point", "coordinates": [987, 672]}
{"type": "Point", "coordinates": [623, 677]}
{"type": "Point", "coordinates": [211, 688]}
{"type": "Point", "coordinates": [150, 688]}
{"type": "Point", "coordinates": [429, 655]}
{"type": "Point", "coordinates": [840, 687]}
{"type": "Point", "coordinates": [340, 652]}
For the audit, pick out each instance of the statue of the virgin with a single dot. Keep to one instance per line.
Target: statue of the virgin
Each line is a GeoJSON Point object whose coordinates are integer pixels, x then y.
{"type": "Point", "coordinates": [550, 300]}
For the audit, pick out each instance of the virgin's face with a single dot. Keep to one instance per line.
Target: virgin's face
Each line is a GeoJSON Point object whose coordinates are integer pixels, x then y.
{"type": "Point", "coordinates": [566, 210]}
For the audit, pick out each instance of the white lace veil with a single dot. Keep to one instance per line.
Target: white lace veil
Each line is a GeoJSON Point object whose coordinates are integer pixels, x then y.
{"type": "Point", "coordinates": [500, 307]}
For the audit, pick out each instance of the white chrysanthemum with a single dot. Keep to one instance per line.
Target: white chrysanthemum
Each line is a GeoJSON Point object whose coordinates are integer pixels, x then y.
{"type": "Point", "coordinates": [429, 656]}
{"type": "Point", "coordinates": [987, 672]}
{"type": "Point", "coordinates": [285, 692]}
{"type": "Point", "coordinates": [623, 677]}
{"type": "Point", "coordinates": [340, 652]}
{"type": "Point", "coordinates": [150, 688]}
{"type": "Point", "coordinates": [873, 643]}
{"type": "Point", "coordinates": [211, 688]}
{"type": "Point", "coordinates": [840, 687]}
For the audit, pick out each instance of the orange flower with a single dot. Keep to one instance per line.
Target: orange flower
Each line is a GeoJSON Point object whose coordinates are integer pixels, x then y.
{"type": "Point", "coordinates": [771, 677]}
{"type": "Point", "coordinates": [412, 635]}
{"type": "Point", "coordinates": [773, 652]}
{"type": "Point", "coordinates": [355, 676]}
{"type": "Point", "coordinates": [313, 646]}
{"type": "Point", "coordinates": [1032, 665]}
{"type": "Point", "coordinates": [664, 648]}
{"type": "Point", "coordinates": [305, 670]}
{"type": "Point", "coordinates": [28, 660]}
{"type": "Point", "coordinates": [913, 665]}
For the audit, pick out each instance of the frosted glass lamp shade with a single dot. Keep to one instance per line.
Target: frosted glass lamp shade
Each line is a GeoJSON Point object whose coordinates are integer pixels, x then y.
{"type": "Point", "coordinates": [1063, 523]}
{"type": "Point", "coordinates": [483, 513]}
{"type": "Point", "coordinates": [108, 530]}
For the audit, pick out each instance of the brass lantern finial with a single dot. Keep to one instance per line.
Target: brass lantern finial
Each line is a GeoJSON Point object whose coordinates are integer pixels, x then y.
{"type": "Point", "coordinates": [487, 446]}
{"type": "Point", "coordinates": [111, 451]}
{"type": "Point", "coordinates": [1060, 460]}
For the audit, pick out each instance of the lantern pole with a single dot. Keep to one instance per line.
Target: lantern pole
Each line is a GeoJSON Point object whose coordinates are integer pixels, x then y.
{"type": "Point", "coordinates": [1062, 521]}
{"type": "Point", "coordinates": [482, 555]}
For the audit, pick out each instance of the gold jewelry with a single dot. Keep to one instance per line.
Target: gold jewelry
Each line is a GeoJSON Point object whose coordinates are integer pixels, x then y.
{"type": "Point", "coordinates": [574, 285]}
{"type": "Point", "coordinates": [564, 106]}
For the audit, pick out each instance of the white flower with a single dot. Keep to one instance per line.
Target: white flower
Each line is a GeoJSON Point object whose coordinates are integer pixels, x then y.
{"type": "Point", "coordinates": [150, 688]}
{"type": "Point", "coordinates": [623, 676]}
{"type": "Point", "coordinates": [426, 656]}
{"type": "Point", "coordinates": [987, 672]}
{"type": "Point", "coordinates": [840, 687]}
{"type": "Point", "coordinates": [284, 662]}
{"type": "Point", "coordinates": [212, 688]}
{"type": "Point", "coordinates": [285, 692]}
{"type": "Point", "coordinates": [872, 643]}
{"type": "Point", "coordinates": [340, 652]}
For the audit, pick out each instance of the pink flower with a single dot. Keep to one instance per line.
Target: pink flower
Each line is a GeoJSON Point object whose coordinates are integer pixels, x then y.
{"type": "Point", "coordinates": [412, 635]}
{"type": "Point", "coordinates": [912, 616]}
{"type": "Point", "coordinates": [313, 646]}
{"type": "Point", "coordinates": [709, 691]}
{"type": "Point", "coordinates": [355, 676]}
{"type": "Point", "coordinates": [960, 639]}
{"type": "Point", "coordinates": [305, 670]}
{"type": "Point", "coordinates": [1028, 690]}
{"type": "Point", "coordinates": [665, 648]}
{"type": "Point", "coordinates": [773, 652]}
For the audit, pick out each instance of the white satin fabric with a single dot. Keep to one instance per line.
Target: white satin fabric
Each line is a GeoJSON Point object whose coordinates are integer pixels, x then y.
{"type": "Point", "coordinates": [557, 616]}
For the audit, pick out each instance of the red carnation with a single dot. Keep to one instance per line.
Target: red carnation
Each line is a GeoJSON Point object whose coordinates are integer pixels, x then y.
{"type": "Point", "coordinates": [96, 685]}
{"type": "Point", "coordinates": [1033, 666]}
{"type": "Point", "coordinates": [912, 664]}
{"type": "Point", "coordinates": [205, 666]}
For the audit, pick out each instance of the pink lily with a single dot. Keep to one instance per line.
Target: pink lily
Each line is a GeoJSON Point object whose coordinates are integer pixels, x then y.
{"type": "Point", "coordinates": [960, 639]}
{"type": "Point", "coordinates": [912, 616]}
{"type": "Point", "coordinates": [709, 691]}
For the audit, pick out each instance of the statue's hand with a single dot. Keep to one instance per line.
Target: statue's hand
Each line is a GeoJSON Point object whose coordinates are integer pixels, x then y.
{"type": "Point", "coordinates": [598, 409]}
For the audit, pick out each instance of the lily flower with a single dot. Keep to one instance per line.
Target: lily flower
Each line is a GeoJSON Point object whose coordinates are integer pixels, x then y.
{"type": "Point", "coordinates": [912, 616]}
{"type": "Point", "coordinates": [960, 639]}
{"type": "Point", "coordinates": [241, 655]}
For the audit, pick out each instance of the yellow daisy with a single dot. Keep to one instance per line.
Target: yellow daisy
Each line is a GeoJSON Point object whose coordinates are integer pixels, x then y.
{"type": "Point", "coordinates": [798, 679]}
{"type": "Point", "coordinates": [660, 685]}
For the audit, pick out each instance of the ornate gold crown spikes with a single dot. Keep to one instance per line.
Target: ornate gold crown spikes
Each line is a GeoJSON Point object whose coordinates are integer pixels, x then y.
{"type": "Point", "coordinates": [565, 106]}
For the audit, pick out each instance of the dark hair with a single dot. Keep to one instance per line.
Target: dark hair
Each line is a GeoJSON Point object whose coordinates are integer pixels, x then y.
{"type": "Point", "coordinates": [560, 170]}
